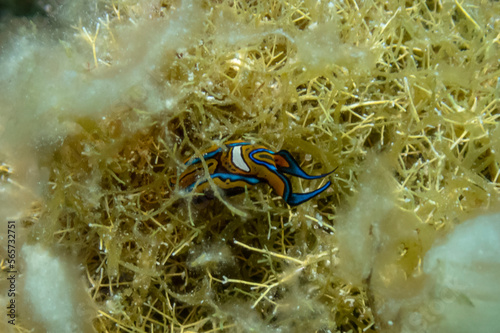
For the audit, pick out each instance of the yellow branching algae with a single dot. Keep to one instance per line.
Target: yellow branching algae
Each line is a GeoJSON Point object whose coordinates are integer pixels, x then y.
{"type": "Point", "coordinates": [401, 96]}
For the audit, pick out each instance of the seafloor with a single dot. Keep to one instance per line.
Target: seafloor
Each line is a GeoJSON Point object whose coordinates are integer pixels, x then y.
{"type": "Point", "coordinates": [101, 102]}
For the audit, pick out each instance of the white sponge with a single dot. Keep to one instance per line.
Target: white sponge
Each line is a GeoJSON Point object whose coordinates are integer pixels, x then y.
{"type": "Point", "coordinates": [53, 290]}
{"type": "Point", "coordinates": [466, 273]}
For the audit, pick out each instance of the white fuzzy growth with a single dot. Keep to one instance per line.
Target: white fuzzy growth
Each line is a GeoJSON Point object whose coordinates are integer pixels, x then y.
{"type": "Point", "coordinates": [47, 84]}
{"type": "Point", "coordinates": [466, 271]}
{"type": "Point", "coordinates": [237, 159]}
{"type": "Point", "coordinates": [50, 288]}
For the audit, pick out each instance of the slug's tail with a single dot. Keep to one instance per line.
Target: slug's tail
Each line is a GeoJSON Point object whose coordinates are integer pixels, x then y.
{"type": "Point", "coordinates": [297, 198]}
{"type": "Point", "coordinates": [286, 163]}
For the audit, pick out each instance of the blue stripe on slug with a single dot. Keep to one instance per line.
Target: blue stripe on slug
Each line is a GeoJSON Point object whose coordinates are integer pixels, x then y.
{"type": "Point", "coordinates": [226, 176]}
{"type": "Point", "coordinates": [298, 198]}
{"type": "Point", "coordinates": [205, 157]}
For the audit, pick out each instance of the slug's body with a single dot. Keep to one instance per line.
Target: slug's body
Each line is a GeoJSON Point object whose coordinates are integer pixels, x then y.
{"type": "Point", "coordinates": [244, 164]}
